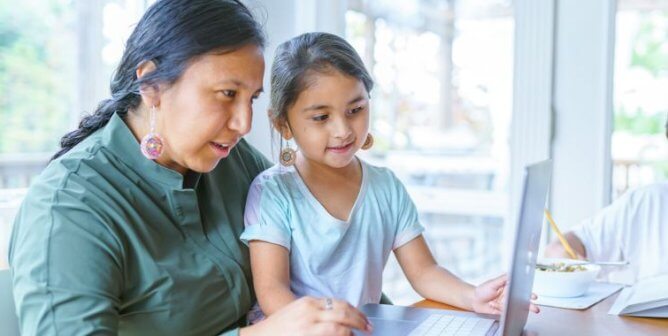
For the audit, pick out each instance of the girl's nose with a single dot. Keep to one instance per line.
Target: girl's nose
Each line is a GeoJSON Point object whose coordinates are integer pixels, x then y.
{"type": "Point", "coordinates": [341, 129]}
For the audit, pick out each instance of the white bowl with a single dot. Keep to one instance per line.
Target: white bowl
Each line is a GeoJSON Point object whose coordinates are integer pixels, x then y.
{"type": "Point", "coordinates": [563, 284]}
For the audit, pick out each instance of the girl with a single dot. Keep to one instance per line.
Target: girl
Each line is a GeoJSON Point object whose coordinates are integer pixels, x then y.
{"type": "Point", "coordinates": [324, 222]}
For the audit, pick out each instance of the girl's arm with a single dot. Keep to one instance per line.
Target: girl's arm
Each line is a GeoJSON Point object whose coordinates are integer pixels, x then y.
{"type": "Point", "coordinates": [430, 280]}
{"type": "Point", "coordinates": [436, 283]}
{"type": "Point", "coordinates": [270, 264]}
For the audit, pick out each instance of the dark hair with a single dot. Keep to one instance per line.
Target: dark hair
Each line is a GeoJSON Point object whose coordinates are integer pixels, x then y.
{"type": "Point", "coordinates": [297, 59]}
{"type": "Point", "coordinates": [171, 33]}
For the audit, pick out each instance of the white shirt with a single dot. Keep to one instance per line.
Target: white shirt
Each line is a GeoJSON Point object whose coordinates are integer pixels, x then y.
{"type": "Point", "coordinates": [633, 228]}
{"type": "Point", "coordinates": [330, 257]}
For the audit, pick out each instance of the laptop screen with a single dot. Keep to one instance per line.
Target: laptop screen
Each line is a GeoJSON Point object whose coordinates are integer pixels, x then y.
{"type": "Point", "coordinates": [535, 185]}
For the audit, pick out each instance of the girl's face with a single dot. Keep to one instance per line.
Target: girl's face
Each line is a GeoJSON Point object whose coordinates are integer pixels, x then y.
{"type": "Point", "coordinates": [330, 119]}
{"type": "Point", "coordinates": [203, 115]}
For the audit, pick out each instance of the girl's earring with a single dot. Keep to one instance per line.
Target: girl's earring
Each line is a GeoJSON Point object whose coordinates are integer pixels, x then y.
{"type": "Point", "coordinates": [368, 143]}
{"type": "Point", "coordinates": [288, 156]}
{"type": "Point", "coordinates": [152, 145]}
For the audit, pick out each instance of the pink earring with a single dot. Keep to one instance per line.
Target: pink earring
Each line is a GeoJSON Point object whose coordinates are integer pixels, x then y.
{"type": "Point", "coordinates": [151, 145]}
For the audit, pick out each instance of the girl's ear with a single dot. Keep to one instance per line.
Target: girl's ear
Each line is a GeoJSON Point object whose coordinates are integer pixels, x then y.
{"type": "Point", "coordinates": [150, 94]}
{"type": "Point", "coordinates": [281, 125]}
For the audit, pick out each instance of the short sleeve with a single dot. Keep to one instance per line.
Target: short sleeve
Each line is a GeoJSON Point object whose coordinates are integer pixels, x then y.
{"type": "Point", "coordinates": [65, 268]}
{"type": "Point", "coordinates": [266, 214]}
{"type": "Point", "coordinates": [602, 235]}
{"type": "Point", "coordinates": [408, 224]}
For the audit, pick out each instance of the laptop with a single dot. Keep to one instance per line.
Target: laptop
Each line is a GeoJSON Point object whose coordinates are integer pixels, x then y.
{"type": "Point", "coordinates": [397, 320]}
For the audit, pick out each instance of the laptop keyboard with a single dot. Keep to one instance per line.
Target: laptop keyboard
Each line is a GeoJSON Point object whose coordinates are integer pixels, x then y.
{"type": "Point", "coordinates": [441, 325]}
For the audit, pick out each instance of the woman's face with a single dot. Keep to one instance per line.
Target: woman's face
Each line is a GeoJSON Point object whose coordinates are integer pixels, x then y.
{"type": "Point", "coordinates": [203, 115]}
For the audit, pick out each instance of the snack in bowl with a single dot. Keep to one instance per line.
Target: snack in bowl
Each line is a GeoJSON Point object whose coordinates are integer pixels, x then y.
{"type": "Point", "coordinates": [563, 278]}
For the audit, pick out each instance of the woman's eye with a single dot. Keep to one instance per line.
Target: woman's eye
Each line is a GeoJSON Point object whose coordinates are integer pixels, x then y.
{"type": "Point", "coordinates": [320, 117]}
{"type": "Point", "coordinates": [229, 93]}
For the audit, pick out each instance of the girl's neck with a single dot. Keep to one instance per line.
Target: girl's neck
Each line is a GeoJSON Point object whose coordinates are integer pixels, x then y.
{"type": "Point", "coordinates": [310, 170]}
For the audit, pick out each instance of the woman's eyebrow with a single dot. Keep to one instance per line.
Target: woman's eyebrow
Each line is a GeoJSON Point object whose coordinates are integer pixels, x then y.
{"type": "Point", "coordinates": [238, 83]}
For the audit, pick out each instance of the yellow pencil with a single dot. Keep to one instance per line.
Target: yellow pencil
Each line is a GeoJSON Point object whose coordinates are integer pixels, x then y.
{"type": "Point", "coordinates": [561, 237]}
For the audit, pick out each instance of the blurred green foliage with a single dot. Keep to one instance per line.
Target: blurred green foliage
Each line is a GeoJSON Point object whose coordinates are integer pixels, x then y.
{"type": "Point", "coordinates": [37, 69]}
{"type": "Point", "coordinates": [649, 52]}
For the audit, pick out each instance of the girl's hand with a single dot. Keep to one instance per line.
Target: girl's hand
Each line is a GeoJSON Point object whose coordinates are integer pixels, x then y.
{"type": "Point", "coordinates": [311, 316]}
{"type": "Point", "coordinates": [488, 297]}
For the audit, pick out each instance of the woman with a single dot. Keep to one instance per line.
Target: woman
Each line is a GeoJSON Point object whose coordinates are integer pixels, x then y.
{"type": "Point", "coordinates": [110, 241]}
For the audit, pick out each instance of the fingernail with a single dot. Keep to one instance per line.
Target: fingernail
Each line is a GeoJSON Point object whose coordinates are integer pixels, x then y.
{"type": "Point", "coordinates": [369, 327]}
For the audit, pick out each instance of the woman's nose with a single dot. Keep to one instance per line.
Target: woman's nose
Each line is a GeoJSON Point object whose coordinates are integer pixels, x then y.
{"type": "Point", "coordinates": [241, 119]}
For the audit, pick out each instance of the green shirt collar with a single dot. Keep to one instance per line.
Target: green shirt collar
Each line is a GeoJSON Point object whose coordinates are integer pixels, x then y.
{"type": "Point", "coordinates": [118, 138]}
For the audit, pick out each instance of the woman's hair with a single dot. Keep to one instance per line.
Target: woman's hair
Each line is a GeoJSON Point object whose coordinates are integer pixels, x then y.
{"type": "Point", "coordinates": [299, 59]}
{"type": "Point", "coordinates": [171, 34]}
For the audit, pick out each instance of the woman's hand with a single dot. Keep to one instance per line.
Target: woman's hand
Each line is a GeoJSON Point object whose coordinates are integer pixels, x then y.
{"type": "Point", "coordinates": [311, 316]}
{"type": "Point", "coordinates": [488, 297]}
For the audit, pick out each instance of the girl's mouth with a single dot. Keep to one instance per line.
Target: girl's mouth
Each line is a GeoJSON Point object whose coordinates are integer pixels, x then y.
{"type": "Point", "coordinates": [340, 149]}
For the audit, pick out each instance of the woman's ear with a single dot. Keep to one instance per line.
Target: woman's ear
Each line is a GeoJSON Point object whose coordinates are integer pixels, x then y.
{"type": "Point", "coordinates": [281, 125]}
{"type": "Point", "coordinates": [150, 94]}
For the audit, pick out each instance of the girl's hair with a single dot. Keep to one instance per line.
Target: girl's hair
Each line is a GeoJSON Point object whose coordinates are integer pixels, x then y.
{"type": "Point", "coordinates": [298, 59]}
{"type": "Point", "coordinates": [171, 34]}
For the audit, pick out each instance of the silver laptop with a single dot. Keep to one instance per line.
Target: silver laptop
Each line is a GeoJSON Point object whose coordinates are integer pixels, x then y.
{"type": "Point", "coordinates": [398, 320]}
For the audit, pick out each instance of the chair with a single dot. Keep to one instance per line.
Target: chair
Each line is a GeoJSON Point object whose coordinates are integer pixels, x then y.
{"type": "Point", "coordinates": [8, 319]}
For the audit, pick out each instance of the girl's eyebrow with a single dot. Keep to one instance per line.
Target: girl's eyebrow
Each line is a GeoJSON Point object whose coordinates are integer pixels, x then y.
{"type": "Point", "coordinates": [324, 106]}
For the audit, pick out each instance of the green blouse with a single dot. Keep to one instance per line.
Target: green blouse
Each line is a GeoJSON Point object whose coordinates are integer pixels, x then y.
{"type": "Point", "coordinates": [108, 242]}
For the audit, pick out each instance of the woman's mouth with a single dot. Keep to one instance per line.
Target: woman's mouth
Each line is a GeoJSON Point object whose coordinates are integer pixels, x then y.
{"type": "Point", "coordinates": [220, 149]}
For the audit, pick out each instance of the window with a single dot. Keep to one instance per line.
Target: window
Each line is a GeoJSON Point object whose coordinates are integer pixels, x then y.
{"type": "Point", "coordinates": [441, 111]}
{"type": "Point", "coordinates": [56, 60]}
{"type": "Point", "coordinates": [639, 145]}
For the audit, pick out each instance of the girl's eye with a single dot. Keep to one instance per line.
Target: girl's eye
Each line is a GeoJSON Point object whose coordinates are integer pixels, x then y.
{"type": "Point", "coordinates": [322, 117]}
{"type": "Point", "coordinates": [229, 93]}
{"type": "Point", "coordinates": [357, 110]}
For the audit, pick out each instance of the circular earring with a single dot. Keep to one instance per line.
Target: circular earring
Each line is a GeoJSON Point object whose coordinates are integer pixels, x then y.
{"type": "Point", "coordinates": [151, 144]}
{"type": "Point", "coordinates": [288, 156]}
{"type": "Point", "coordinates": [368, 143]}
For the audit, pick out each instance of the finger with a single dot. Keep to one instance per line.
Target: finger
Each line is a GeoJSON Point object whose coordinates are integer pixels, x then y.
{"type": "Point", "coordinates": [494, 308]}
{"type": "Point", "coordinates": [498, 282]}
{"type": "Point", "coordinates": [534, 296]}
{"type": "Point", "coordinates": [344, 305]}
{"type": "Point", "coordinates": [534, 308]}
{"type": "Point", "coordinates": [346, 316]}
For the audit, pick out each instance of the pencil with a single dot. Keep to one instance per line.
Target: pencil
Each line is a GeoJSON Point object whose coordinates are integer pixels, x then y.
{"type": "Point", "coordinates": [561, 237]}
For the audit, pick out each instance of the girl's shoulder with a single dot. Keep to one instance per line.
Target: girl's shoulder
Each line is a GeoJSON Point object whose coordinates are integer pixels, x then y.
{"type": "Point", "coordinates": [379, 175]}
{"type": "Point", "coordinates": [276, 178]}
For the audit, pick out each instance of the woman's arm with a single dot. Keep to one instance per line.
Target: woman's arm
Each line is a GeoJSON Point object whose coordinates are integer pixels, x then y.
{"type": "Point", "coordinates": [66, 269]}
{"type": "Point", "coordinates": [270, 264]}
{"type": "Point", "coordinates": [430, 280]}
